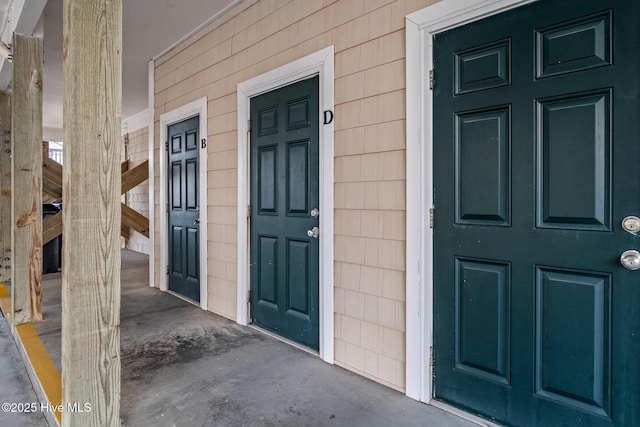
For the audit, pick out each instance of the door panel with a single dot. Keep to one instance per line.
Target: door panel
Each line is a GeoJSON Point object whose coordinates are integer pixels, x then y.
{"type": "Point", "coordinates": [184, 235]}
{"type": "Point", "coordinates": [579, 333]}
{"type": "Point", "coordinates": [284, 190]}
{"type": "Point", "coordinates": [482, 293]}
{"type": "Point", "coordinates": [536, 322]}
{"type": "Point", "coordinates": [574, 129]}
{"type": "Point", "coordinates": [298, 285]}
{"type": "Point", "coordinates": [575, 45]}
{"type": "Point", "coordinates": [483, 189]}
{"type": "Point", "coordinates": [298, 178]}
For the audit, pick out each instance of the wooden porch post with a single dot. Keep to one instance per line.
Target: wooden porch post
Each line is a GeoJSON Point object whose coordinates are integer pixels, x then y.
{"type": "Point", "coordinates": [5, 187]}
{"type": "Point", "coordinates": [26, 171]}
{"type": "Point", "coordinates": [91, 214]}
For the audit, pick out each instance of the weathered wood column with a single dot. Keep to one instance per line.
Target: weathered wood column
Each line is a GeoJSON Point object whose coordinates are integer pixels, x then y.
{"type": "Point", "coordinates": [92, 49]}
{"type": "Point", "coordinates": [5, 187]}
{"type": "Point", "coordinates": [26, 171]}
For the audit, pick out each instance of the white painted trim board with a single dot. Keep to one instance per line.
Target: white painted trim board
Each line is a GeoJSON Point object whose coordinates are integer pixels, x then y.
{"type": "Point", "coordinates": [152, 168]}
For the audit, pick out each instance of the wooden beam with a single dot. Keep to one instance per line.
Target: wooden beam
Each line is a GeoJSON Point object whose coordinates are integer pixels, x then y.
{"type": "Point", "coordinates": [135, 176]}
{"type": "Point", "coordinates": [24, 16]}
{"type": "Point", "coordinates": [46, 198]}
{"type": "Point", "coordinates": [5, 187]}
{"type": "Point", "coordinates": [92, 69]}
{"type": "Point", "coordinates": [135, 220]}
{"type": "Point", "coordinates": [51, 228]}
{"type": "Point", "coordinates": [51, 180]}
{"type": "Point", "coordinates": [52, 176]}
{"type": "Point", "coordinates": [125, 231]}
{"type": "Point", "coordinates": [26, 169]}
{"type": "Point", "coordinates": [52, 193]}
{"type": "Point", "coordinates": [52, 171]}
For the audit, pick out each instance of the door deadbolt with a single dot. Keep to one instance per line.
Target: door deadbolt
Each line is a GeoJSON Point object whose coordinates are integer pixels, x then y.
{"type": "Point", "coordinates": [315, 212]}
{"type": "Point", "coordinates": [196, 221]}
{"type": "Point", "coordinates": [631, 224]}
{"type": "Point", "coordinates": [630, 259]}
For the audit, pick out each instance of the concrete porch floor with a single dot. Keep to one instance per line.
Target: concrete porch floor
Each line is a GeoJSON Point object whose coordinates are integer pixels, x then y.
{"type": "Point", "coordinates": [182, 366]}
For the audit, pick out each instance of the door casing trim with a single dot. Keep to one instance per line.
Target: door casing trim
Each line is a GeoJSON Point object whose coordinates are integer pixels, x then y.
{"type": "Point", "coordinates": [421, 26]}
{"type": "Point", "coordinates": [195, 108]}
{"type": "Point", "coordinates": [319, 63]}
{"type": "Point", "coordinates": [152, 166]}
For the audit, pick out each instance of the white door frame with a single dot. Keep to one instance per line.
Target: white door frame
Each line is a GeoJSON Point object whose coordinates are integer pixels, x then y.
{"type": "Point", "coordinates": [195, 108]}
{"type": "Point", "coordinates": [319, 63]}
{"type": "Point", "coordinates": [420, 28]}
{"type": "Point", "coordinates": [151, 155]}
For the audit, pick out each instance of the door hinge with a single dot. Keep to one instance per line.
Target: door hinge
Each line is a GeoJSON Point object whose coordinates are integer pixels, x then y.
{"type": "Point", "coordinates": [249, 126]}
{"type": "Point", "coordinates": [167, 270]}
{"type": "Point", "coordinates": [432, 220]}
{"type": "Point", "coordinates": [166, 145]}
{"type": "Point", "coordinates": [431, 79]}
{"type": "Point", "coordinates": [249, 296]}
{"type": "Point", "coordinates": [248, 211]}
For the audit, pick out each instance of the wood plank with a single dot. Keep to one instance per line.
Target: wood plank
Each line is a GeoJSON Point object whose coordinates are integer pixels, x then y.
{"type": "Point", "coordinates": [135, 176]}
{"type": "Point", "coordinates": [52, 171]}
{"type": "Point", "coordinates": [51, 180]}
{"type": "Point", "coordinates": [125, 231]}
{"type": "Point", "coordinates": [135, 220]}
{"type": "Point", "coordinates": [51, 193]}
{"type": "Point", "coordinates": [26, 132]}
{"type": "Point", "coordinates": [46, 198]}
{"type": "Point", "coordinates": [52, 177]}
{"type": "Point", "coordinates": [5, 187]}
{"type": "Point", "coordinates": [51, 228]}
{"type": "Point", "coordinates": [92, 69]}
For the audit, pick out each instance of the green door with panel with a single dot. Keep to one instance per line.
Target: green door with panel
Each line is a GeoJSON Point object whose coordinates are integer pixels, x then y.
{"type": "Point", "coordinates": [284, 212]}
{"type": "Point", "coordinates": [183, 208]}
{"type": "Point", "coordinates": [536, 166]}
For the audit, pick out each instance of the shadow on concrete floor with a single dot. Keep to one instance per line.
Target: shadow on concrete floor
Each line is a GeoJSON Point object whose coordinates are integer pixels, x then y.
{"type": "Point", "coordinates": [182, 366]}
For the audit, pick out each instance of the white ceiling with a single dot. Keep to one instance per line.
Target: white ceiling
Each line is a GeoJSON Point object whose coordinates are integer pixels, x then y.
{"type": "Point", "coordinates": [149, 27]}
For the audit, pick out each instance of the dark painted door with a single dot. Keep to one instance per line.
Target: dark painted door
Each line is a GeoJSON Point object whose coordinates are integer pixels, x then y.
{"type": "Point", "coordinates": [184, 236]}
{"type": "Point", "coordinates": [284, 194]}
{"type": "Point", "coordinates": [536, 163]}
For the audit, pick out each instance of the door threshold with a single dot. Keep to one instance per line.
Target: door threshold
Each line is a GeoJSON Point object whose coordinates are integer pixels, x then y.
{"type": "Point", "coordinates": [463, 414]}
{"type": "Point", "coordinates": [183, 298]}
{"type": "Point", "coordinates": [284, 340]}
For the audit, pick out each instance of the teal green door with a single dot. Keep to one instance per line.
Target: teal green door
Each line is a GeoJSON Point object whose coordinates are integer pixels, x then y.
{"type": "Point", "coordinates": [183, 207]}
{"type": "Point", "coordinates": [536, 164]}
{"type": "Point", "coordinates": [284, 207]}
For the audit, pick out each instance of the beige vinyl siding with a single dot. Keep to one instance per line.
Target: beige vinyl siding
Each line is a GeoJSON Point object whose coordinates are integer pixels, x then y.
{"type": "Point", "coordinates": [257, 36]}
